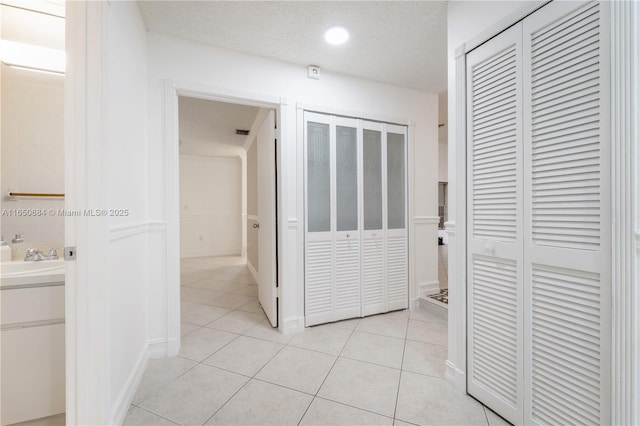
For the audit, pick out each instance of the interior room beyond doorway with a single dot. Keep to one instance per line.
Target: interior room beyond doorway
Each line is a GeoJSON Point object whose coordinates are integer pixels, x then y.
{"type": "Point", "coordinates": [219, 165]}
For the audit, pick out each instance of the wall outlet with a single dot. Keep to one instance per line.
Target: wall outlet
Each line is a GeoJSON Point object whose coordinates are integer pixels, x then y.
{"type": "Point", "coordinates": [313, 72]}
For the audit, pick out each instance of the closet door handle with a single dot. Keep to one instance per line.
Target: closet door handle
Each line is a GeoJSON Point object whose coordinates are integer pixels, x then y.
{"type": "Point", "coordinates": [255, 226]}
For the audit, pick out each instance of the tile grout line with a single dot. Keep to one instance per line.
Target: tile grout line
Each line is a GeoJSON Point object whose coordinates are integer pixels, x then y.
{"type": "Point", "coordinates": [288, 343]}
{"type": "Point", "coordinates": [324, 398]}
{"type": "Point", "coordinates": [246, 383]}
{"type": "Point", "coordinates": [168, 383]}
{"type": "Point", "coordinates": [404, 349]}
{"type": "Point", "coordinates": [226, 402]}
{"type": "Point", "coordinates": [153, 414]}
{"type": "Point", "coordinates": [253, 377]}
{"type": "Point", "coordinates": [335, 361]}
{"type": "Point", "coordinates": [198, 362]}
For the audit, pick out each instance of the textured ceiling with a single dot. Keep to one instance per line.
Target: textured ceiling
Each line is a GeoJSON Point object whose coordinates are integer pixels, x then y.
{"type": "Point", "coordinates": [396, 42]}
{"type": "Point", "coordinates": [215, 122]}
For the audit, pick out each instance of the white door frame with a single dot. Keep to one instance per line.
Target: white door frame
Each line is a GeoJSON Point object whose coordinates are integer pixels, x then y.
{"type": "Point", "coordinates": [86, 310]}
{"type": "Point", "coordinates": [172, 185]}
{"type": "Point", "coordinates": [625, 211]}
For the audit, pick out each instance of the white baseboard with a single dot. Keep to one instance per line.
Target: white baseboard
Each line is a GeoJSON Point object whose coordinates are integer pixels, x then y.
{"type": "Point", "coordinates": [236, 252]}
{"type": "Point", "coordinates": [252, 269]}
{"type": "Point", "coordinates": [122, 404]}
{"type": "Point", "coordinates": [292, 325]}
{"type": "Point", "coordinates": [457, 378]}
{"type": "Point", "coordinates": [173, 346]}
{"type": "Point", "coordinates": [414, 303]}
{"type": "Point", "coordinates": [428, 288]}
{"type": "Point", "coordinates": [157, 348]}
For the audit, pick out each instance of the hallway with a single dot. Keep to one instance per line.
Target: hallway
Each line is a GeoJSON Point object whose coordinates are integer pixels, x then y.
{"type": "Point", "coordinates": [234, 368]}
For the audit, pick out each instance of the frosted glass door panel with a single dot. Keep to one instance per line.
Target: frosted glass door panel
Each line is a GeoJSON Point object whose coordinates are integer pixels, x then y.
{"type": "Point", "coordinates": [318, 178]}
{"type": "Point", "coordinates": [347, 178]}
{"type": "Point", "coordinates": [372, 179]}
{"type": "Point", "coordinates": [395, 181]}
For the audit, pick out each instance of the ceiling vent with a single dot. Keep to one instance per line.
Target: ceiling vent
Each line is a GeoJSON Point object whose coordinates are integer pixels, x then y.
{"type": "Point", "coordinates": [242, 132]}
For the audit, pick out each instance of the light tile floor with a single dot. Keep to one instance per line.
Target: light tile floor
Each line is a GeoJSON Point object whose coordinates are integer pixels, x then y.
{"type": "Point", "coordinates": [235, 369]}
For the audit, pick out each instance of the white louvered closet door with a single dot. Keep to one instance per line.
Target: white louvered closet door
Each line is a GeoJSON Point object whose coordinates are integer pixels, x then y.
{"type": "Point", "coordinates": [347, 205]}
{"type": "Point", "coordinates": [539, 314]}
{"type": "Point", "coordinates": [373, 234]}
{"type": "Point", "coordinates": [567, 219]}
{"type": "Point", "coordinates": [494, 209]}
{"type": "Point", "coordinates": [396, 218]}
{"type": "Point", "coordinates": [319, 272]}
{"type": "Point", "coordinates": [356, 240]}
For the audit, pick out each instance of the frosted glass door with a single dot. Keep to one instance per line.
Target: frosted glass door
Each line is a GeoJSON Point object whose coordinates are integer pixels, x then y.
{"type": "Point", "coordinates": [318, 178]}
{"type": "Point", "coordinates": [346, 178]}
{"type": "Point", "coordinates": [396, 180]}
{"type": "Point", "coordinates": [372, 148]}
{"type": "Point", "coordinates": [373, 265]}
{"type": "Point", "coordinates": [396, 257]}
{"type": "Point", "coordinates": [347, 236]}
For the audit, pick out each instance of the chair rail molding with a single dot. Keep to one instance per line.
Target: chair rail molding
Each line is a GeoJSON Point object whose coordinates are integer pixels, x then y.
{"type": "Point", "coordinates": [450, 227]}
{"type": "Point", "coordinates": [126, 230]}
{"type": "Point", "coordinates": [426, 220]}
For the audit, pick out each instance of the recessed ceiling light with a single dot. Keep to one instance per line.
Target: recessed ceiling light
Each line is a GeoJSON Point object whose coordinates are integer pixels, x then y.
{"type": "Point", "coordinates": [336, 35]}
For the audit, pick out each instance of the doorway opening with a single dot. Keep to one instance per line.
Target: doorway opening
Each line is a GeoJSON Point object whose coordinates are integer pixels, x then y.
{"type": "Point", "coordinates": [32, 273]}
{"type": "Point", "coordinates": [227, 218]}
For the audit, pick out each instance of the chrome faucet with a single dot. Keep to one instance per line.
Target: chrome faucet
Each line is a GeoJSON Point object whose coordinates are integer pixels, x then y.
{"type": "Point", "coordinates": [34, 255]}
{"type": "Point", "coordinates": [53, 254]}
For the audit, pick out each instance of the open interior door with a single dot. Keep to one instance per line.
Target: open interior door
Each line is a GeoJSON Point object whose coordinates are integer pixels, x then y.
{"type": "Point", "coordinates": [267, 279]}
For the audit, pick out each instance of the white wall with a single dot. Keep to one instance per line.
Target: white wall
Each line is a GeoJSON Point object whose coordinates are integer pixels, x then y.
{"type": "Point", "coordinates": [125, 174]}
{"type": "Point", "coordinates": [32, 130]}
{"type": "Point", "coordinates": [465, 20]}
{"type": "Point", "coordinates": [201, 66]}
{"type": "Point", "coordinates": [210, 206]}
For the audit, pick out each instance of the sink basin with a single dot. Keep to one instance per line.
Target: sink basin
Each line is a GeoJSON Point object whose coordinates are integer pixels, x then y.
{"type": "Point", "coordinates": [20, 268]}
